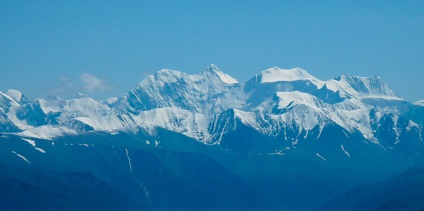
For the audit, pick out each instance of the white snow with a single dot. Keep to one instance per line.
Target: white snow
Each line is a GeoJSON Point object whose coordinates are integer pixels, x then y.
{"type": "Point", "coordinates": [317, 154]}
{"type": "Point", "coordinates": [277, 153]}
{"type": "Point", "coordinates": [33, 144]}
{"type": "Point", "coordinates": [15, 94]}
{"type": "Point", "coordinates": [345, 151]}
{"type": "Point", "coordinates": [86, 106]}
{"type": "Point", "coordinates": [110, 123]}
{"type": "Point", "coordinates": [174, 119]}
{"type": "Point", "coordinates": [361, 87]}
{"type": "Point", "coordinates": [112, 100]}
{"type": "Point", "coordinates": [213, 71]}
{"type": "Point", "coordinates": [291, 99]}
{"type": "Point", "coordinates": [307, 112]}
{"type": "Point", "coordinates": [321, 127]}
{"type": "Point", "coordinates": [306, 117]}
{"type": "Point", "coordinates": [344, 132]}
{"type": "Point", "coordinates": [276, 74]}
{"type": "Point", "coordinates": [211, 86]}
{"type": "Point", "coordinates": [10, 99]}
{"type": "Point", "coordinates": [197, 101]}
{"type": "Point", "coordinates": [47, 132]}
{"type": "Point", "coordinates": [421, 103]}
{"type": "Point", "coordinates": [145, 190]}
{"type": "Point", "coordinates": [163, 76]}
{"type": "Point", "coordinates": [53, 106]}
{"type": "Point", "coordinates": [129, 159]}
{"type": "Point", "coordinates": [21, 156]}
{"type": "Point", "coordinates": [382, 97]}
{"type": "Point", "coordinates": [21, 124]}
{"type": "Point", "coordinates": [226, 78]}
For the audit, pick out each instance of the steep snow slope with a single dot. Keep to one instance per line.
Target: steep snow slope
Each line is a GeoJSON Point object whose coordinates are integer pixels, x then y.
{"type": "Point", "coordinates": [209, 92]}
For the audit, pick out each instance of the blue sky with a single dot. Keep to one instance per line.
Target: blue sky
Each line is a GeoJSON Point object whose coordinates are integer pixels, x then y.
{"type": "Point", "coordinates": [105, 48]}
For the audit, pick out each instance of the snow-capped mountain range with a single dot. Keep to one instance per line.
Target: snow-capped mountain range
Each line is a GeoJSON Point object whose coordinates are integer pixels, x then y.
{"type": "Point", "coordinates": [288, 104]}
{"type": "Point", "coordinates": [207, 141]}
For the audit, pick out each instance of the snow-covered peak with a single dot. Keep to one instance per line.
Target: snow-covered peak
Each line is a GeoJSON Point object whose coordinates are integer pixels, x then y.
{"type": "Point", "coordinates": [87, 105]}
{"type": "Point", "coordinates": [168, 72]}
{"type": "Point", "coordinates": [162, 77]}
{"type": "Point", "coordinates": [213, 70]}
{"type": "Point", "coordinates": [211, 102]}
{"type": "Point", "coordinates": [167, 75]}
{"type": "Point", "coordinates": [53, 105]}
{"type": "Point", "coordinates": [7, 99]}
{"type": "Point", "coordinates": [204, 92]}
{"type": "Point", "coordinates": [276, 74]}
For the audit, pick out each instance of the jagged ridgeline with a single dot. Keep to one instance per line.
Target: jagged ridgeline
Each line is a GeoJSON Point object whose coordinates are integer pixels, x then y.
{"type": "Point", "coordinates": [280, 138]}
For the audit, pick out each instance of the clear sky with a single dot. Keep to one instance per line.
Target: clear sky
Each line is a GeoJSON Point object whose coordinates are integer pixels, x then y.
{"type": "Point", "coordinates": [104, 48]}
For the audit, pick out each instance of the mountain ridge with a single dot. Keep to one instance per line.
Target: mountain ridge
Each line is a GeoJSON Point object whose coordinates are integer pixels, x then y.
{"type": "Point", "coordinates": [341, 100]}
{"type": "Point", "coordinates": [284, 138]}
